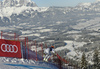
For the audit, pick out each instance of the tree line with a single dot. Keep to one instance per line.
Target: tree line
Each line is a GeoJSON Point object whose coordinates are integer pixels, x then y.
{"type": "Point", "coordinates": [95, 60]}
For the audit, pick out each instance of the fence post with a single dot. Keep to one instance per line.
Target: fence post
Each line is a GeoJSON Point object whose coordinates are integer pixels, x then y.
{"type": "Point", "coordinates": [1, 34]}
{"type": "Point", "coordinates": [28, 47]}
{"type": "Point", "coordinates": [14, 36]}
{"type": "Point", "coordinates": [21, 49]}
{"type": "Point", "coordinates": [36, 50]}
{"type": "Point", "coordinates": [25, 47]}
{"type": "Point", "coordinates": [42, 50]}
{"type": "Point", "coordinates": [18, 38]}
{"type": "Point", "coordinates": [46, 45]}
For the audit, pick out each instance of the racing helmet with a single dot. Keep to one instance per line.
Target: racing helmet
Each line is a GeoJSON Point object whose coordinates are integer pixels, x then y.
{"type": "Point", "coordinates": [52, 46]}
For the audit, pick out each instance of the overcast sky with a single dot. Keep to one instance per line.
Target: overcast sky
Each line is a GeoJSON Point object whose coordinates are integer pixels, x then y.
{"type": "Point", "coordinates": [47, 3]}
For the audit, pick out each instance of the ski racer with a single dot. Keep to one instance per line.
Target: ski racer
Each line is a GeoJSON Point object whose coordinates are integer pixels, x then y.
{"type": "Point", "coordinates": [48, 53]}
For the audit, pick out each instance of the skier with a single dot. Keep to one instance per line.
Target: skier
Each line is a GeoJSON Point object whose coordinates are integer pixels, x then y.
{"type": "Point", "coordinates": [48, 52]}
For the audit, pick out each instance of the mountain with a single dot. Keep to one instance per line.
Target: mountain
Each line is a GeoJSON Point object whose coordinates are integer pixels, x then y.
{"type": "Point", "coordinates": [17, 3]}
{"type": "Point", "coordinates": [24, 15]}
{"type": "Point", "coordinates": [84, 4]}
{"type": "Point", "coordinates": [97, 0]}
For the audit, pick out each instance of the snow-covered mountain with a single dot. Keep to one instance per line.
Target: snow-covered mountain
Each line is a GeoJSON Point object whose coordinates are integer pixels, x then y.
{"type": "Point", "coordinates": [84, 4]}
{"type": "Point", "coordinates": [17, 3]}
{"type": "Point", "coordinates": [97, 0]}
{"type": "Point", "coordinates": [10, 7]}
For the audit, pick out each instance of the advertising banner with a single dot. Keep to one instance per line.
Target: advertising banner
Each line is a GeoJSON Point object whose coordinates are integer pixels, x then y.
{"type": "Point", "coordinates": [10, 48]}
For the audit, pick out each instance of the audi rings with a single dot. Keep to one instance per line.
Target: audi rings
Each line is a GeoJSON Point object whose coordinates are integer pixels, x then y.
{"type": "Point", "coordinates": [9, 48]}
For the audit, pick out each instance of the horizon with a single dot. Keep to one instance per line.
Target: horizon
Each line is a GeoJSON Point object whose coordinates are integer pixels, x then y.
{"type": "Point", "coordinates": [61, 3]}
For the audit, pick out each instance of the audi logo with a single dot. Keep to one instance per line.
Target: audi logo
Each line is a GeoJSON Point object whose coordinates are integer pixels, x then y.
{"type": "Point", "coordinates": [9, 48]}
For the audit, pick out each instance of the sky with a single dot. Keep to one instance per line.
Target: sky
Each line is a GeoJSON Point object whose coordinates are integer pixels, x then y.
{"type": "Point", "coordinates": [62, 3]}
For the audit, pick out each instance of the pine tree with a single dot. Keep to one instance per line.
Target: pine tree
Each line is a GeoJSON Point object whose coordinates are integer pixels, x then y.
{"type": "Point", "coordinates": [83, 61]}
{"type": "Point", "coordinates": [96, 59]}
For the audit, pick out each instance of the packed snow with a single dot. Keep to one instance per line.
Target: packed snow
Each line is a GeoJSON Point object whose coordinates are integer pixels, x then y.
{"type": "Point", "coordinates": [14, 63]}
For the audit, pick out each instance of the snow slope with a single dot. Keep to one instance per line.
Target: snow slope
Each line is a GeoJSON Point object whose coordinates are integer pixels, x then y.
{"type": "Point", "coordinates": [72, 50]}
{"type": "Point", "coordinates": [90, 25]}
{"type": "Point", "coordinates": [74, 53]}
{"type": "Point", "coordinates": [14, 63]}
